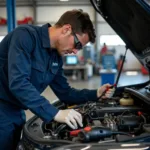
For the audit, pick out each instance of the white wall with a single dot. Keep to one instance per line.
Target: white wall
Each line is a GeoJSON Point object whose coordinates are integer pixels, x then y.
{"type": "Point", "coordinates": [20, 11]}
{"type": "Point", "coordinates": [52, 14]}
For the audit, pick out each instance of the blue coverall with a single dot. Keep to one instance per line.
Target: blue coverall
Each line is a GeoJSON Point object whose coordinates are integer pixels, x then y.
{"type": "Point", "coordinates": [28, 65]}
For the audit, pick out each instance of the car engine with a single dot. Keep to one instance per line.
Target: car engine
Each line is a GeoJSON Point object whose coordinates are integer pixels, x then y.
{"type": "Point", "coordinates": [104, 120]}
{"type": "Point", "coordinates": [123, 118]}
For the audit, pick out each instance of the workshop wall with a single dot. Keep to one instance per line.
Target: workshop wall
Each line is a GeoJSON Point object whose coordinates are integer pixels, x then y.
{"type": "Point", "coordinates": [21, 12]}
{"type": "Point", "coordinates": [51, 14]}
{"type": "Point", "coordinates": [104, 29]}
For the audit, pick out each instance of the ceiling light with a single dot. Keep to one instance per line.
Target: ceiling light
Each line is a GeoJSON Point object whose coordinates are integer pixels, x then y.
{"type": "Point", "coordinates": [64, 0]}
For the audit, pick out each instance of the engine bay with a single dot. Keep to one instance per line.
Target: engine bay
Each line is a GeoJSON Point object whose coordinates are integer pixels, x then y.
{"type": "Point", "coordinates": [123, 117]}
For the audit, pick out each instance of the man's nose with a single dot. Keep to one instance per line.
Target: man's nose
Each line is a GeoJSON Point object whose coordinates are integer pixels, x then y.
{"type": "Point", "coordinates": [75, 51]}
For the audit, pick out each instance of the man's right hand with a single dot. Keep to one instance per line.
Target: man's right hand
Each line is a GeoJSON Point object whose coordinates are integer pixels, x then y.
{"type": "Point", "coordinates": [70, 117]}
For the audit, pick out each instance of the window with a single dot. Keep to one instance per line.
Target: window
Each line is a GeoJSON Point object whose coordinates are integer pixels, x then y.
{"type": "Point", "coordinates": [111, 40]}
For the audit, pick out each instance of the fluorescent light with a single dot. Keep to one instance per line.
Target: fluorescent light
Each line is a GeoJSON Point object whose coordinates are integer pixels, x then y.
{"type": "Point", "coordinates": [131, 73]}
{"type": "Point", "coordinates": [64, 0]}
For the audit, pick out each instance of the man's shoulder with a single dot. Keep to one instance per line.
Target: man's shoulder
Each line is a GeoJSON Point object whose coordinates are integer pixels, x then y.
{"type": "Point", "coordinates": [28, 31]}
{"type": "Point", "coordinates": [29, 28]}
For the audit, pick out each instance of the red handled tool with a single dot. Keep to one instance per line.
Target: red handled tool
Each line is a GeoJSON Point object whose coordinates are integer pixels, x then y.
{"type": "Point", "coordinates": [118, 76]}
{"type": "Point", "coordinates": [76, 132]}
{"type": "Point", "coordinates": [114, 85]}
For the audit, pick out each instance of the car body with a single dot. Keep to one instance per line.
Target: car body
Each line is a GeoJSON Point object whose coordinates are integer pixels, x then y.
{"type": "Point", "coordinates": [122, 122]}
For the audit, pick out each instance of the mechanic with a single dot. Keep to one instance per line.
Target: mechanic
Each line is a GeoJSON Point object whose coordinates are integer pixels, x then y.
{"type": "Point", "coordinates": [31, 60]}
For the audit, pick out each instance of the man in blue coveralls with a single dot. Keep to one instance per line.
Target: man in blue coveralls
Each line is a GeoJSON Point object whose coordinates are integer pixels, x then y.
{"type": "Point", "coordinates": [31, 60]}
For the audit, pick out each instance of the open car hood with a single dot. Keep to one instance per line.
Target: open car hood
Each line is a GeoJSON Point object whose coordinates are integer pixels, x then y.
{"type": "Point", "coordinates": [130, 19]}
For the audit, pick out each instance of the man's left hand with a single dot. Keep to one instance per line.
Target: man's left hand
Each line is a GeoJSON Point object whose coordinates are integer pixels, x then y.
{"type": "Point", "coordinates": [105, 91]}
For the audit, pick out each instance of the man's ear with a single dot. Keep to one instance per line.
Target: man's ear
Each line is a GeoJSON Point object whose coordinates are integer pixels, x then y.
{"type": "Point", "coordinates": [66, 29]}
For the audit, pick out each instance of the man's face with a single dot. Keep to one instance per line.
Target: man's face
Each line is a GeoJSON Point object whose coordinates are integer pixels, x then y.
{"type": "Point", "coordinates": [68, 42]}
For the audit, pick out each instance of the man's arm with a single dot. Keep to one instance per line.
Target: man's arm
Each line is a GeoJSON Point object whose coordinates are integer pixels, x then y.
{"type": "Point", "coordinates": [19, 71]}
{"type": "Point", "coordinates": [68, 94]}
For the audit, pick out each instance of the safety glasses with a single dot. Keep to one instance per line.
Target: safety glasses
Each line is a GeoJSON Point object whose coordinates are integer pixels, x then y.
{"type": "Point", "coordinates": [77, 43]}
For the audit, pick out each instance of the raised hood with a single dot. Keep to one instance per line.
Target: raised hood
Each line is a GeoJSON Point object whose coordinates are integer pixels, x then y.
{"type": "Point", "coordinates": [131, 21]}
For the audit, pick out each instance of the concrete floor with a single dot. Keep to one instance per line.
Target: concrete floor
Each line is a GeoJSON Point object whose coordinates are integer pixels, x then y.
{"type": "Point", "coordinates": [94, 83]}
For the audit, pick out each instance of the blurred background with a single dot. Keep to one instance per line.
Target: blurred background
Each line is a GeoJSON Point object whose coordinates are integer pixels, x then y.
{"type": "Point", "coordinates": [97, 63]}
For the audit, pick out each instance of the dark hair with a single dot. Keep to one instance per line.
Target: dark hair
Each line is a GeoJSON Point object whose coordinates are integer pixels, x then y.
{"type": "Point", "coordinates": [79, 21]}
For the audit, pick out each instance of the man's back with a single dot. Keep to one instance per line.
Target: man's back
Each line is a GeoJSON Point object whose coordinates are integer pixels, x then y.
{"type": "Point", "coordinates": [6, 51]}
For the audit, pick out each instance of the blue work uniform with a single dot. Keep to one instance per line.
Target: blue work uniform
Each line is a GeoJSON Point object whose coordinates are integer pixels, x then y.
{"type": "Point", "coordinates": [28, 65]}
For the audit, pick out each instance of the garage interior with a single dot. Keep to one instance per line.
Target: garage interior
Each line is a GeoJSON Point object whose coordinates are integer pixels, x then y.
{"type": "Point", "coordinates": [48, 11]}
{"type": "Point", "coordinates": [113, 59]}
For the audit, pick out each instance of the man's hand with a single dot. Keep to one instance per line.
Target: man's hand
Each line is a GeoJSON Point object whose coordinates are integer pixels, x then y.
{"type": "Point", "coordinates": [70, 117]}
{"type": "Point", "coordinates": [105, 91]}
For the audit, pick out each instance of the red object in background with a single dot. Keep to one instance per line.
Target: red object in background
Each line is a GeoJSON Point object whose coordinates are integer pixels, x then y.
{"type": "Point", "coordinates": [104, 50]}
{"type": "Point", "coordinates": [144, 71]}
{"type": "Point", "coordinates": [3, 21]}
{"type": "Point", "coordinates": [26, 20]}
